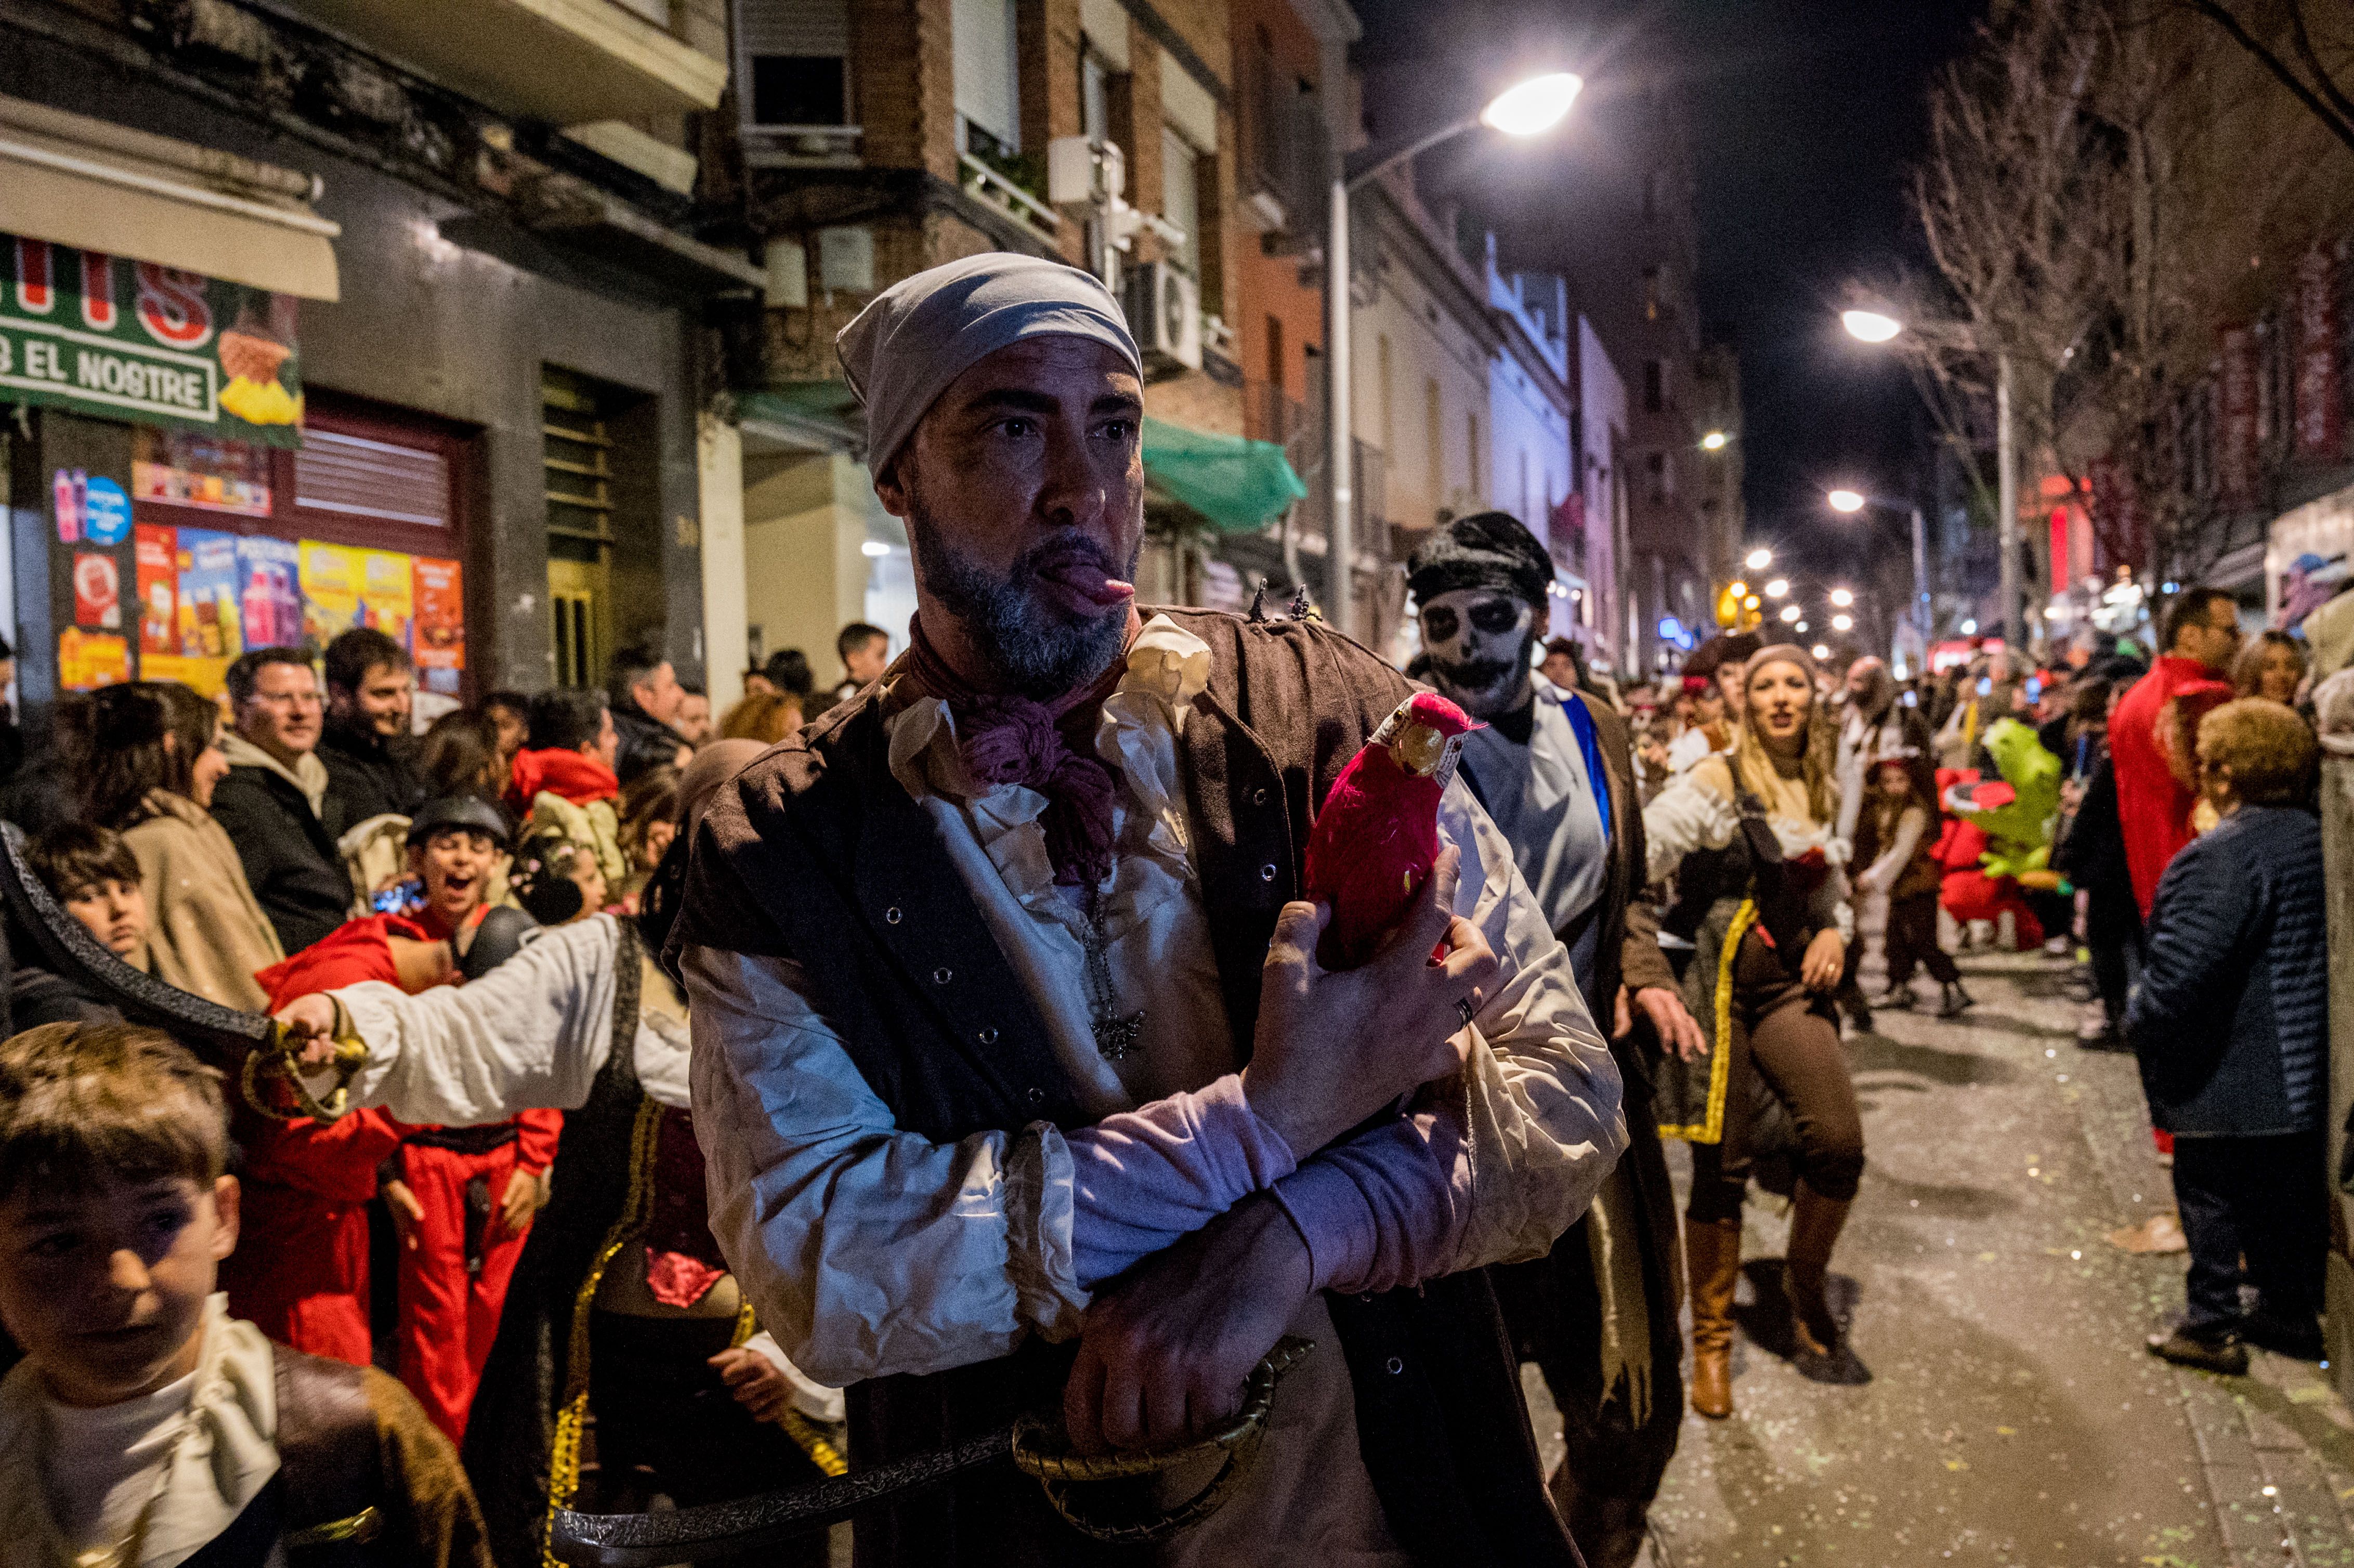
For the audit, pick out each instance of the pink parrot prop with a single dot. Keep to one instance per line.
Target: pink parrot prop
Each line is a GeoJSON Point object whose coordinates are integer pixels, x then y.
{"type": "Point", "coordinates": [1374, 843]}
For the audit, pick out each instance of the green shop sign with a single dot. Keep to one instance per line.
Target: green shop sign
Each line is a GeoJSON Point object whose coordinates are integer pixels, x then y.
{"type": "Point", "coordinates": [122, 339]}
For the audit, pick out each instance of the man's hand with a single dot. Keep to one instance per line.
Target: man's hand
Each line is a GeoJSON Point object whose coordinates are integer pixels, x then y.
{"type": "Point", "coordinates": [755, 1381]}
{"type": "Point", "coordinates": [1331, 1049]}
{"type": "Point", "coordinates": [310, 1021]}
{"type": "Point", "coordinates": [407, 1213]}
{"type": "Point", "coordinates": [1165, 1352]}
{"type": "Point", "coordinates": [1679, 1034]}
{"type": "Point", "coordinates": [1826, 956]}
{"type": "Point", "coordinates": [520, 1202]}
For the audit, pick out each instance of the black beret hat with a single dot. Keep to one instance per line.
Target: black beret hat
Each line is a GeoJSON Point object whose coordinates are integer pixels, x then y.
{"type": "Point", "coordinates": [471, 812]}
{"type": "Point", "coordinates": [1487, 549]}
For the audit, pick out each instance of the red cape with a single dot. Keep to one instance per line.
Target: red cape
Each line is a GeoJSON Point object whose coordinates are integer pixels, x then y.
{"type": "Point", "coordinates": [575, 775]}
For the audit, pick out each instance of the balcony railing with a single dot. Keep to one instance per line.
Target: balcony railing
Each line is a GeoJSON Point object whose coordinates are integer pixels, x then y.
{"type": "Point", "coordinates": [990, 187]}
{"type": "Point", "coordinates": [802, 146]}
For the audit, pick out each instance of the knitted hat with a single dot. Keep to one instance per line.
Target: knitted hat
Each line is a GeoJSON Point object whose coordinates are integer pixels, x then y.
{"type": "Point", "coordinates": [1485, 550]}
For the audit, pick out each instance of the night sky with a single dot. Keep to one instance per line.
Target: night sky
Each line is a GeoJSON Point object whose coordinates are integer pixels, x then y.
{"type": "Point", "coordinates": [1806, 116]}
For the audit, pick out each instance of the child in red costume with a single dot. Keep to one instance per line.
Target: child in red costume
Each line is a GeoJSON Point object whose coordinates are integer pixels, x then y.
{"type": "Point", "coordinates": [464, 1196]}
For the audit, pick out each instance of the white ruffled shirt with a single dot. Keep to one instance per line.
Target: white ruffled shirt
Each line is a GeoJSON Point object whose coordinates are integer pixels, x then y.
{"type": "Point", "coordinates": [190, 1455]}
{"type": "Point", "coordinates": [1696, 811]}
{"type": "Point", "coordinates": [872, 1251]}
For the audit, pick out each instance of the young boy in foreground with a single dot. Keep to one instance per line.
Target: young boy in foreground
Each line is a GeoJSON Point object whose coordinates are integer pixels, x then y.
{"type": "Point", "coordinates": [146, 1427]}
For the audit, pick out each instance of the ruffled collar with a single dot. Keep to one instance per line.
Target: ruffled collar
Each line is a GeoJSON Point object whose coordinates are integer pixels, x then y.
{"type": "Point", "coordinates": [224, 1451]}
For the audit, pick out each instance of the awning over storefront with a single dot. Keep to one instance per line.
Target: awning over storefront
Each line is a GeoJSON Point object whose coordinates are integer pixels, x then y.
{"type": "Point", "coordinates": [815, 416]}
{"type": "Point", "coordinates": [1236, 483]}
{"type": "Point", "coordinates": [97, 186]}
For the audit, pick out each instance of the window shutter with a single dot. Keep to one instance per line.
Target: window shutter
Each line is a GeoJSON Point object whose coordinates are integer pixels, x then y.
{"type": "Point", "coordinates": [983, 38]}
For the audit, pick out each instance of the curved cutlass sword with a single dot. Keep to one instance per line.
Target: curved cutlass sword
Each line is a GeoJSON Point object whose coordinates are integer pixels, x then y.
{"type": "Point", "coordinates": [1035, 1444]}
{"type": "Point", "coordinates": [249, 1046]}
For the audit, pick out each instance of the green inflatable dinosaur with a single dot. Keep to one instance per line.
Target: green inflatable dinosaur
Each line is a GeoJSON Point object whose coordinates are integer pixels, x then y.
{"type": "Point", "coordinates": [2015, 812]}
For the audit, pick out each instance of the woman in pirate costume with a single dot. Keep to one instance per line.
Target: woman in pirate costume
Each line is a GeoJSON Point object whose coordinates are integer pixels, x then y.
{"type": "Point", "coordinates": [624, 1337]}
{"type": "Point", "coordinates": [1751, 838]}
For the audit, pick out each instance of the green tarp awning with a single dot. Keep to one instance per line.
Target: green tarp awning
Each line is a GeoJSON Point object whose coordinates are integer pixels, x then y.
{"type": "Point", "coordinates": [1237, 484]}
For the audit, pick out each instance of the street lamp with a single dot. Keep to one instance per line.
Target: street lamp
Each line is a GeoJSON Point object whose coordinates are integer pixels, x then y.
{"type": "Point", "coordinates": [1842, 624]}
{"type": "Point", "coordinates": [1852, 501]}
{"type": "Point", "coordinates": [1874, 326]}
{"type": "Point", "coordinates": [1713, 442]}
{"type": "Point", "coordinates": [1524, 109]}
{"type": "Point", "coordinates": [1759, 559]}
{"type": "Point", "coordinates": [1791, 612]}
{"type": "Point", "coordinates": [1820, 651]}
{"type": "Point", "coordinates": [1777, 588]}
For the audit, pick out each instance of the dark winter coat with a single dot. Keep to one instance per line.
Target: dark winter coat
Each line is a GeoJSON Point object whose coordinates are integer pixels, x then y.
{"type": "Point", "coordinates": [367, 777]}
{"type": "Point", "coordinates": [2091, 853]}
{"type": "Point", "coordinates": [2231, 1017]}
{"type": "Point", "coordinates": [646, 743]}
{"type": "Point", "coordinates": [290, 857]}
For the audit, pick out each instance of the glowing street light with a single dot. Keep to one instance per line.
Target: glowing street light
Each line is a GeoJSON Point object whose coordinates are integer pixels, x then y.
{"type": "Point", "coordinates": [1749, 603]}
{"type": "Point", "coordinates": [874, 549]}
{"type": "Point", "coordinates": [1969, 629]}
{"type": "Point", "coordinates": [1820, 651]}
{"type": "Point", "coordinates": [1758, 559]}
{"type": "Point", "coordinates": [1777, 588]}
{"type": "Point", "coordinates": [1526, 108]}
{"type": "Point", "coordinates": [1846, 501]}
{"type": "Point", "coordinates": [1871, 325]}
{"type": "Point", "coordinates": [1713, 442]}
{"type": "Point", "coordinates": [1800, 628]}
{"type": "Point", "coordinates": [1842, 623]}
{"type": "Point", "coordinates": [1790, 613]}
{"type": "Point", "coordinates": [1842, 596]}
{"type": "Point", "coordinates": [1534, 106]}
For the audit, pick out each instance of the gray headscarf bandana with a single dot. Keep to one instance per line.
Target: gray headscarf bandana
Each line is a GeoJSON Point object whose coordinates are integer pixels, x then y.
{"type": "Point", "coordinates": [924, 331]}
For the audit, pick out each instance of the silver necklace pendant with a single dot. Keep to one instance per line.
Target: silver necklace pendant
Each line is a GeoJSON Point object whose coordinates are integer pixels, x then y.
{"type": "Point", "coordinates": [1116, 1037]}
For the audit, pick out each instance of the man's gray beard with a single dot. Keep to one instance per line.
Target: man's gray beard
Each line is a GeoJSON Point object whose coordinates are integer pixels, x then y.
{"type": "Point", "coordinates": [1486, 687]}
{"type": "Point", "coordinates": [1027, 647]}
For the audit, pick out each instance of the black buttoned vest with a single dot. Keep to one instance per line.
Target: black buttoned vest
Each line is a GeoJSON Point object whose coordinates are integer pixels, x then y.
{"type": "Point", "coordinates": [817, 853]}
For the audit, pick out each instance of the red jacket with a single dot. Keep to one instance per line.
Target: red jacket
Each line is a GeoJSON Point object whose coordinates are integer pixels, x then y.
{"type": "Point", "coordinates": [2153, 805]}
{"type": "Point", "coordinates": [575, 775]}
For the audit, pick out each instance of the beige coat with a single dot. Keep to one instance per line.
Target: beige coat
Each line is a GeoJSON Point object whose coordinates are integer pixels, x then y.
{"type": "Point", "coordinates": [204, 932]}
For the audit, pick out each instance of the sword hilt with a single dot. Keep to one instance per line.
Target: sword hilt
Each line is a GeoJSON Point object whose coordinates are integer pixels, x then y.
{"type": "Point", "coordinates": [282, 1060]}
{"type": "Point", "coordinates": [1043, 1450]}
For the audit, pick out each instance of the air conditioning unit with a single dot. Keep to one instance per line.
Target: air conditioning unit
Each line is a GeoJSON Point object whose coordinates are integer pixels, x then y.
{"type": "Point", "coordinates": [1164, 310]}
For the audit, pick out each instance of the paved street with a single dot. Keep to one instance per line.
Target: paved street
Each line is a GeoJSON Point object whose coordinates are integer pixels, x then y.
{"type": "Point", "coordinates": [2010, 1415]}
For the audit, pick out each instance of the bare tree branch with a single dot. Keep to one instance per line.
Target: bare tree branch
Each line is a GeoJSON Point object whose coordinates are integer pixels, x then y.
{"type": "Point", "coordinates": [2336, 114]}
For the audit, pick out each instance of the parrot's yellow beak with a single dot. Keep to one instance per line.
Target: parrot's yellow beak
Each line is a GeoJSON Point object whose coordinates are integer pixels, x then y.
{"type": "Point", "coordinates": [1419, 749]}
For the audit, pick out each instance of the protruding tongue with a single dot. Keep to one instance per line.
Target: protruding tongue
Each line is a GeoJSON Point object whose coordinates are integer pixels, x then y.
{"type": "Point", "coordinates": [1092, 582]}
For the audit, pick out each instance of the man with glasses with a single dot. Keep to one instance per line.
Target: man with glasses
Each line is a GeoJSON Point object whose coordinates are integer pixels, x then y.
{"type": "Point", "coordinates": [2200, 635]}
{"type": "Point", "coordinates": [271, 803]}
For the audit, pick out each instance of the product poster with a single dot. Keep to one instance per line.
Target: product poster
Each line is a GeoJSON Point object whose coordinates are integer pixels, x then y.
{"type": "Point", "coordinates": [98, 590]}
{"type": "Point", "coordinates": [439, 638]}
{"type": "Point", "coordinates": [105, 512]}
{"type": "Point", "coordinates": [158, 554]}
{"type": "Point", "coordinates": [89, 660]}
{"type": "Point", "coordinates": [209, 620]}
{"type": "Point", "coordinates": [269, 571]}
{"type": "Point", "coordinates": [385, 603]}
{"type": "Point", "coordinates": [330, 578]}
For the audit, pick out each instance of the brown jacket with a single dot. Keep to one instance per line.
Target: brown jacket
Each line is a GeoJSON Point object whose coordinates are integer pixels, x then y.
{"type": "Point", "coordinates": [204, 932]}
{"type": "Point", "coordinates": [1628, 952]}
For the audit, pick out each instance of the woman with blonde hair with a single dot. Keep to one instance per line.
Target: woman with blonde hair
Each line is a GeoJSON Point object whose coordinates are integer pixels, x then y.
{"type": "Point", "coordinates": [765, 717]}
{"type": "Point", "coordinates": [1751, 838]}
{"type": "Point", "coordinates": [147, 755]}
{"type": "Point", "coordinates": [2270, 666]}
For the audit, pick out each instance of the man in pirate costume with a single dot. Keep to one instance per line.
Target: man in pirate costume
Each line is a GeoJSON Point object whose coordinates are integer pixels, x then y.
{"type": "Point", "coordinates": [1006, 1035]}
{"type": "Point", "coordinates": [1553, 768]}
{"type": "Point", "coordinates": [620, 1303]}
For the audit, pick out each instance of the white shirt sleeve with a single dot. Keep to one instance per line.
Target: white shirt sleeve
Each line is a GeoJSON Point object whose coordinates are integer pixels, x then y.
{"type": "Point", "coordinates": [867, 1250]}
{"type": "Point", "coordinates": [1687, 815]}
{"type": "Point", "coordinates": [1541, 1096]}
{"type": "Point", "coordinates": [533, 1032]}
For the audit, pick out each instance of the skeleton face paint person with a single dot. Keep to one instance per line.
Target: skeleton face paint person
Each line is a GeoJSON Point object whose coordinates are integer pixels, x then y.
{"type": "Point", "coordinates": [1482, 581]}
{"type": "Point", "coordinates": [1479, 643]}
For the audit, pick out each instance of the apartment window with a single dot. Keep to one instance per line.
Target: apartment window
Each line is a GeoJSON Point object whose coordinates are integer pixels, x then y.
{"type": "Point", "coordinates": [1655, 386]}
{"type": "Point", "coordinates": [1181, 196]}
{"type": "Point", "coordinates": [987, 100]}
{"type": "Point", "coordinates": [1277, 377]}
{"type": "Point", "coordinates": [796, 60]}
{"type": "Point", "coordinates": [1655, 473]}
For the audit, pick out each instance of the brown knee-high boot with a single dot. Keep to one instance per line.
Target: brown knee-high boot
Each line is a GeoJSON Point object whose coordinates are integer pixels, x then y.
{"type": "Point", "coordinates": [1815, 1223]}
{"type": "Point", "coordinates": [1712, 1258]}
